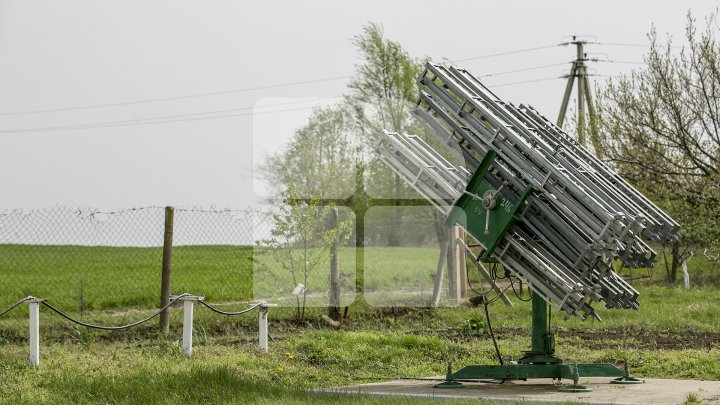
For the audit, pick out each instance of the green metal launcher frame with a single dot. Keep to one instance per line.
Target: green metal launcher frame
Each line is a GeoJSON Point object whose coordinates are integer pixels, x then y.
{"type": "Point", "coordinates": [487, 215]}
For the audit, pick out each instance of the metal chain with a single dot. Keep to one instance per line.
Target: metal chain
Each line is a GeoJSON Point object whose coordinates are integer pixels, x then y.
{"type": "Point", "coordinates": [229, 313]}
{"type": "Point", "coordinates": [128, 326]}
{"type": "Point", "coordinates": [11, 307]}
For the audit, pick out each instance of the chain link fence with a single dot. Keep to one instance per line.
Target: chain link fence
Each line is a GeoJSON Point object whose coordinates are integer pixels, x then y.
{"type": "Point", "coordinates": [86, 259]}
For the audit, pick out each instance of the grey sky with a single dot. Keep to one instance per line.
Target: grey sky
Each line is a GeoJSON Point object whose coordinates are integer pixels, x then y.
{"type": "Point", "coordinates": [58, 54]}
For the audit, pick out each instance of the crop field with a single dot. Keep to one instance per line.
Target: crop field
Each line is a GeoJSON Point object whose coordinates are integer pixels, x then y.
{"type": "Point", "coordinates": [675, 333]}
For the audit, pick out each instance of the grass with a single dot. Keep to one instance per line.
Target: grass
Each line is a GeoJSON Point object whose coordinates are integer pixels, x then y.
{"type": "Point", "coordinates": [149, 375]}
{"type": "Point", "coordinates": [228, 367]}
{"type": "Point", "coordinates": [90, 278]}
{"type": "Point", "coordinates": [99, 277]}
{"type": "Point", "coordinates": [375, 343]}
{"type": "Point", "coordinates": [96, 277]}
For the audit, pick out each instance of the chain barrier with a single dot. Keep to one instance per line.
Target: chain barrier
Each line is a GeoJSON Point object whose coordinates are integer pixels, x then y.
{"type": "Point", "coordinates": [11, 307]}
{"type": "Point", "coordinates": [227, 312]}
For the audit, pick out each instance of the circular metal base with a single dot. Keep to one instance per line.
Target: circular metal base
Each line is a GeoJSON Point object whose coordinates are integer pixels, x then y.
{"type": "Point", "coordinates": [449, 385]}
{"type": "Point", "coordinates": [575, 388]}
{"type": "Point", "coordinates": [627, 380]}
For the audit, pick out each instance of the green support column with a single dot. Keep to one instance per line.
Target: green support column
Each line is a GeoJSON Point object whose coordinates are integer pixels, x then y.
{"type": "Point", "coordinates": [542, 340]}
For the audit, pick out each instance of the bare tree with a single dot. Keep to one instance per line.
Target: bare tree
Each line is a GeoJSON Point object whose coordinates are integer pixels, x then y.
{"type": "Point", "coordinates": [660, 127]}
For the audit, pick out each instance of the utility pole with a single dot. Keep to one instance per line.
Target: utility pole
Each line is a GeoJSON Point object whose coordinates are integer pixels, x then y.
{"type": "Point", "coordinates": [584, 96]}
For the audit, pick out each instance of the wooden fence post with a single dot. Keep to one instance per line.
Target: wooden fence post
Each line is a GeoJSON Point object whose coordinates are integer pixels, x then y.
{"type": "Point", "coordinates": [166, 269]}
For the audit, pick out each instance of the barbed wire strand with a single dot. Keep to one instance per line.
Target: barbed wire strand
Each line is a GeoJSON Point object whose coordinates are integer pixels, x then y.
{"type": "Point", "coordinates": [219, 311]}
{"type": "Point", "coordinates": [122, 327]}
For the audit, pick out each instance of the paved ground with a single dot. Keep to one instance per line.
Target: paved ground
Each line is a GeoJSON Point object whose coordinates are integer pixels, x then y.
{"type": "Point", "coordinates": [654, 391]}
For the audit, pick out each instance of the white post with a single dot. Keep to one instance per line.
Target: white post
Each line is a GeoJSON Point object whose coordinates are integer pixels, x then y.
{"type": "Point", "coordinates": [263, 325]}
{"type": "Point", "coordinates": [34, 308]}
{"type": "Point", "coordinates": [187, 327]}
{"type": "Point", "coordinates": [188, 302]}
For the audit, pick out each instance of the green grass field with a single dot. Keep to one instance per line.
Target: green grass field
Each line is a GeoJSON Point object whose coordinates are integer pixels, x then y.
{"type": "Point", "coordinates": [89, 278]}
{"type": "Point", "coordinates": [675, 334]}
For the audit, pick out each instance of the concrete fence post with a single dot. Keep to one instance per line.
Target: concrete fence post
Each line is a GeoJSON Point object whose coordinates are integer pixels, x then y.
{"type": "Point", "coordinates": [188, 304]}
{"type": "Point", "coordinates": [34, 309]}
{"type": "Point", "coordinates": [263, 325]}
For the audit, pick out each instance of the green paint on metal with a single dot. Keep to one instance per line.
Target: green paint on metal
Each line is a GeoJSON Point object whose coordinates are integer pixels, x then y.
{"type": "Point", "coordinates": [543, 341]}
{"type": "Point", "coordinates": [626, 379]}
{"type": "Point", "coordinates": [452, 385]}
{"type": "Point", "coordinates": [471, 214]}
{"type": "Point", "coordinates": [449, 382]}
{"type": "Point", "coordinates": [487, 214]}
{"type": "Point", "coordinates": [520, 371]}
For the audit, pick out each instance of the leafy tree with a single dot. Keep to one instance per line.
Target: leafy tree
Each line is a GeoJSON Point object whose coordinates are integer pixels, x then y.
{"type": "Point", "coordinates": [383, 90]}
{"type": "Point", "coordinates": [660, 128]}
{"type": "Point", "coordinates": [331, 155]}
{"type": "Point", "coordinates": [301, 237]}
{"type": "Point", "coordinates": [320, 159]}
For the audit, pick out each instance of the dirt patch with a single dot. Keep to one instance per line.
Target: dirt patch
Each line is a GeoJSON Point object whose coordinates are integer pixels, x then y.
{"type": "Point", "coordinates": [644, 339]}
{"type": "Point", "coordinates": [607, 338]}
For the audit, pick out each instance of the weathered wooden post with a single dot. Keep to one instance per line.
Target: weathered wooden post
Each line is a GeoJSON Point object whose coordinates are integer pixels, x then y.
{"type": "Point", "coordinates": [166, 269]}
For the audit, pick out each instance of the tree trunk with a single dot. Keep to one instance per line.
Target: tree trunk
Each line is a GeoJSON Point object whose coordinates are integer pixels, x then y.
{"type": "Point", "coordinates": [334, 307]}
{"type": "Point", "coordinates": [675, 262]}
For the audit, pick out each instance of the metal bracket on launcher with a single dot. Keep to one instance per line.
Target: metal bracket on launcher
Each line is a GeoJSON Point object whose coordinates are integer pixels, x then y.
{"type": "Point", "coordinates": [484, 212]}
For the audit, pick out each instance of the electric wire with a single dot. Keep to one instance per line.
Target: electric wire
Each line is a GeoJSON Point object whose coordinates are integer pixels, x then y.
{"type": "Point", "coordinates": [122, 327]}
{"type": "Point", "coordinates": [619, 61]}
{"type": "Point", "coordinates": [146, 122]}
{"type": "Point", "coordinates": [13, 306]}
{"type": "Point", "coordinates": [525, 69]}
{"type": "Point", "coordinates": [492, 334]}
{"type": "Point", "coordinates": [235, 91]}
{"type": "Point", "coordinates": [525, 81]}
{"type": "Point", "coordinates": [505, 53]}
{"type": "Point", "coordinates": [493, 274]}
{"type": "Point", "coordinates": [189, 116]}
{"type": "Point", "coordinates": [517, 295]}
{"type": "Point", "coordinates": [173, 98]}
{"type": "Point", "coordinates": [229, 312]}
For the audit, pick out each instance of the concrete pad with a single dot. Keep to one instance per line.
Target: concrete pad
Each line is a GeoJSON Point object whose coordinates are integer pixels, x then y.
{"type": "Point", "coordinates": [655, 391]}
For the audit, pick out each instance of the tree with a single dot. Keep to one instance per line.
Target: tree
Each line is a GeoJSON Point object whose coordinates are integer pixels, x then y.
{"type": "Point", "coordinates": [383, 90]}
{"type": "Point", "coordinates": [660, 127]}
{"type": "Point", "coordinates": [301, 236]}
{"type": "Point", "coordinates": [319, 161]}
{"type": "Point", "coordinates": [331, 153]}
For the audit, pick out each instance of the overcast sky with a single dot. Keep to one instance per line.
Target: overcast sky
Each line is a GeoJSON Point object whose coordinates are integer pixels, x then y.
{"type": "Point", "coordinates": [59, 55]}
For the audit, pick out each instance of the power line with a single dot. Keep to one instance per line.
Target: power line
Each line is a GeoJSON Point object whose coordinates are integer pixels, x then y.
{"type": "Point", "coordinates": [235, 91]}
{"type": "Point", "coordinates": [619, 61]}
{"type": "Point", "coordinates": [632, 45]}
{"type": "Point", "coordinates": [144, 122]}
{"type": "Point", "coordinates": [524, 69]}
{"type": "Point", "coordinates": [187, 116]}
{"type": "Point", "coordinates": [524, 81]}
{"type": "Point", "coordinates": [492, 55]}
{"type": "Point", "coordinates": [159, 99]}
{"type": "Point", "coordinates": [166, 117]}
